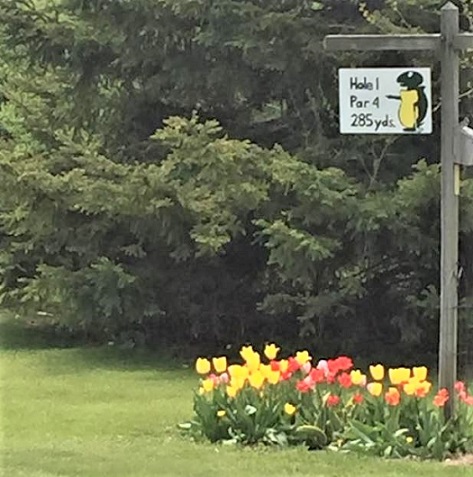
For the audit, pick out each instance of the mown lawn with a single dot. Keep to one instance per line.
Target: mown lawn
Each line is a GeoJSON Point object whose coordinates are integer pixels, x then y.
{"type": "Point", "coordinates": [106, 412]}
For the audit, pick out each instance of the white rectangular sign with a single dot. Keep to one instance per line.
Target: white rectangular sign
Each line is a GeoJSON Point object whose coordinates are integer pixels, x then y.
{"type": "Point", "coordinates": [385, 100]}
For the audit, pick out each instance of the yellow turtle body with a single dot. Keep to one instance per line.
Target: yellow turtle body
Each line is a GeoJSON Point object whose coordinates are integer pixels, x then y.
{"type": "Point", "coordinates": [408, 109]}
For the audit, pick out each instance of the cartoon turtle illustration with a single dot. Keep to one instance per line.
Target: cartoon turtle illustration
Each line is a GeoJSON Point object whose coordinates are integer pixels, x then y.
{"type": "Point", "coordinates": [414, 104]}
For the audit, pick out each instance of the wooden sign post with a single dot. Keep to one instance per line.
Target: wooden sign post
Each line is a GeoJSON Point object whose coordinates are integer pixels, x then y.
{"type": "Point", "coordinates": [447, 44]}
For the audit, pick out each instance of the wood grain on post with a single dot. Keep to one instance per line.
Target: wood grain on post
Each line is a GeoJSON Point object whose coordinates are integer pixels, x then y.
{"type": "Point", "coordinates": [449, 204]}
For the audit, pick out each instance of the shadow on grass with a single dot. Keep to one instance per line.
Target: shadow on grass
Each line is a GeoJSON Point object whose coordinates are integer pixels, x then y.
{"type": "Point", "coordinates": [18, 335]}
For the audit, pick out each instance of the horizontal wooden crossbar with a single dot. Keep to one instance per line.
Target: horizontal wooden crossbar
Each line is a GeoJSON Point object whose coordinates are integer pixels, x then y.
{"type": "Point", "coordinates": [431, 42]}
{"type": "Point", "coordinates": [464, 41]}
{"type": "Point", "coordinates": [382, 42]}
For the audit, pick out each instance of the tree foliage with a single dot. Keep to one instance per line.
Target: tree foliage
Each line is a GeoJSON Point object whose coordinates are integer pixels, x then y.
{"type": "Point", "coordinates": [173, 170]}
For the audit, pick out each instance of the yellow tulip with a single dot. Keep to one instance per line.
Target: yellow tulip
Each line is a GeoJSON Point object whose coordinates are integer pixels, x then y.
{"type": "Point", "coordinates": [423, 388]}
{"type": "Point", "coordinates": [232, 391]}
{"type": "Point", "coordinates": [302, 357]}
{"type": "Point", "coordinates": [357, 377]}
{"type": "Point", "coordinates": [238, 371]}
{"type": "Point", "coordinates": [271, 351]}
{"type": "Point", "coordinates": [246, 352]}
{"type": "Point", "coordinates": [256, 380]}
{"type": "Point", "coordinates": [221, 413]}
{"type": "Point", "coordinates": [410, 387]}
{"type": "Point", "coordinates": [283, 365]}
{"type": "Point", "coordinates": [253, 362]}
{"type": "Point", "coordinates": [375, 389]}
{"type": "Point", "coordinates": [377, 372]}
{"type": "Point", "coordinates": [265, 370]}
{"type": "Point", "coordinates": [238, 383]}
{"type": "Point", "coordinates": [420, 373]}
{"type": "Point", "coordinates": [289, 409]}
{"type": "Point", "coordinates": [220, 364]}
{"type": "Point", "coordinates": [208, 385]}
{"type": "Point", "coordinates": [399, 375]}
{"type": "Point", "coordinates": [202, 365]}
{"type": "Point", "coordinates": [273, 377]}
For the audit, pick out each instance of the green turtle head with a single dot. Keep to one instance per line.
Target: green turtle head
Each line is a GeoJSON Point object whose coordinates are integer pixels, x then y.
{"type": "Point", "coordinates": [410, 79]}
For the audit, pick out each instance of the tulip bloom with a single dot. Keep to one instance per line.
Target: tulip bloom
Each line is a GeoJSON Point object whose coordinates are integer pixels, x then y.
{"type": "Point", "coordinates": [410, 387]}
{"type": "Point", "coordinates": [392, 396]}
{"type": "Point", "coordinates": [293, 365]}
{"type": "Point", "coordinates": [441, 397]}
{"type": "Point", "coordinates": [333, 400]}
{"type": "Point", "coordinates": [271, 351]}
{"type": "Point", "coordinates": [238, 371]}
{"type": "Point", "coordinates": [423, 388]}
{"type": "Point", "coordinates": [232, 391]}
{"type": "Point", "coordinates": [317, 375]}
{"type": "Point", "coordinates": [246, 352]}
{"type": "Point", "coordinates": [358, 398]}
{"type": "Point", "coordinates": [375, 389]}
{"type": "Point", "coordinates": [256, 380]}
{"type": "Point", "coordinates": [253, 361]}
{"type": "Point", "coordinates": [289, 409]}
{"type": "Point", "coordinates": [306, 367]}
{"type": "Point", "coordinates": [377, 372]}
{"type": "Point", "coordinates": [224, 378]}
{"type": "Point", "coordinates": [420, 373]}
{"type": "Point", "coordinates": [342, 363]}
{"type": "Point", "coordinates": [323, 366]}
{"type": "Point", "coordinates": [357, 377]}
{"type": "Point", "coordinates": [303, 386]}
{"type": "Point", "coordinates": [344, 380]}
{"type": "Point", "coordinates": [468, 400]}
{"type": "Point", "coordinates": [208, 385]}
{"type": "Point", "coordinates": [265, 370]}
{"type": "Point", "coordinates": [283, 365]}
{"type": "Point", "coordinates": [237, 383]}
{"type": "Point", "coordinates": [220, 364]}
{"type": "Point", "coordinates": [202, 366]}
{"type": "Point", "coordinates": [399, 375]}
{"type": "Point", "coordinates": [273, 377]}
{"type": "Point", "coordinates": [302, 357]}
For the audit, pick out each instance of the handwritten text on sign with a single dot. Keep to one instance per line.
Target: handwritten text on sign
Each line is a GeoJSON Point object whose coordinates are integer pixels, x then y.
{"type": "Point", "coordinates": [385, 100]}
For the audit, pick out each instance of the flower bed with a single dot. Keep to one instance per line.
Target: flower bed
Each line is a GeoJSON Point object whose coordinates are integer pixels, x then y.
{"type": "Point", "coordinates": [328, 404]}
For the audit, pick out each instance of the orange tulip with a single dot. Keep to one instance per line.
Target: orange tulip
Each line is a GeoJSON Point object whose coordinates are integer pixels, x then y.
{"type": "Point", "coordinates": [392, 396]}
{"type": "Point", "coordinates": [423, 388]}
{"type": "Point", "coordinates": [441, 397]}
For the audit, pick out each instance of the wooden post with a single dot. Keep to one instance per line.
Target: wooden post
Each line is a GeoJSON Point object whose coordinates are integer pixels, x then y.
{"type": "Point", "coordinates": [447, 44]}
{"type": "Point", "coordinates": [449, 205]}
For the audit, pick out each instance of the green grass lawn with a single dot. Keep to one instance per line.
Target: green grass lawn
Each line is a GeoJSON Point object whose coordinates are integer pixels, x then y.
{"type": "Point", "coordinates": [106, 412]}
